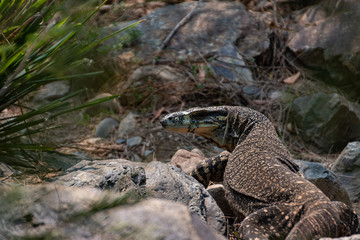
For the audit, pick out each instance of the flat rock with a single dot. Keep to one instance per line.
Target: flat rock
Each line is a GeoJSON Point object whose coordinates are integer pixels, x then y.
{"type": "Point", "coordinates": [133, 141]}
{"type": "Point", "coordinates": [54, 211]}
{"type": "Point", "coordinates": [154, 179]}
{"type": "Point", "coordinates": [347, 167]}
{"type": "Point", "coordinates": [327, 121]}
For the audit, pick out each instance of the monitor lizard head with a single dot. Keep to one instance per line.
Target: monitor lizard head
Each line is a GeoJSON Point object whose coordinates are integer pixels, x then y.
{"type": "Point", "coordinates": [210, 123]}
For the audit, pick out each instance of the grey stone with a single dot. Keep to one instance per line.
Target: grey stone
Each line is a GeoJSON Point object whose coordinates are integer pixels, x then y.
{"type": "Point", "coordinates": [207, 31]}
{"type": "Point", "coordinates": [106, 127]}
{"type": "Point", "coordinates": [253, 92]}
{"type": "Point", "coordinates": [117, 175]}
{"type": "Point", "coordinates": [347, 167]}
{"type": "Point", "coordinates": [168, 182]}
{"type": "Point", "coordinates": [229, 65]}
{"type": "Point", "coordinates": [154, 179]}
{"type": "Point", "coordinates": [327, 121]}
{"type": "Point", "coordinates": [352, 237]}
{"type": "Point", "coordinates": [134, 141]}
{"type": "Point", "coordinates": [52, 91]}
{"type": "Point", "coordinates": [53, 211]}
{"type": "Point", "coordinates": [127, 126]}
{"type": "Point", "coordinates": [275, 95]}
{"type": "Point", "coordinates": [110, 106]}
{"type": "Point", "coordinates": [325, 180]}
{"type": "Point", "coordinates": [148, 152]}
{"type": "Point", "coordinates": [136, 158]}
{"type": "Point", "coordinates": [326, 39]}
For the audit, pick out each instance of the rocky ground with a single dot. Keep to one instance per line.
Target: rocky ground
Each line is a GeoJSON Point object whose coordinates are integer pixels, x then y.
{"type": "Point", "coordinates": [299, 68]}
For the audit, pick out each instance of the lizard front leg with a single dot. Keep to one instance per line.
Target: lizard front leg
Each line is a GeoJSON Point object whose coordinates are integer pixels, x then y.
{"type": "Point", "coordinates": [211, 169]}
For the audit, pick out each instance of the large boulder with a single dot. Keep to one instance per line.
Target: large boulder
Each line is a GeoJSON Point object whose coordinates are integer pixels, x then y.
{"type": "Point", "coordinates": [327, 41]}
{"type": "Point", "coordinates": [347, 167]}
{"type": "Point", "coordinates": [154, 179]}
{"type": "Point", "coordinates": [206, 30]}
{"type": "Point", "coordinates": [223, 29]}
{"type": "Point", "coordinates": [327, 121]}
{"type": "Point", "coordinates": [58, 212]}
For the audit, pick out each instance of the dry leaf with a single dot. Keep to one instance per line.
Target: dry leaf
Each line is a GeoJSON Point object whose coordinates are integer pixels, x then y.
{"type": "Point", "coordinates": [292, 79]}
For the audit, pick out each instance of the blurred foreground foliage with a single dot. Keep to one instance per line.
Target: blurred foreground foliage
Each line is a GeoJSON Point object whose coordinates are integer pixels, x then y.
{"type": "Point", "coordinates": [41, 41]}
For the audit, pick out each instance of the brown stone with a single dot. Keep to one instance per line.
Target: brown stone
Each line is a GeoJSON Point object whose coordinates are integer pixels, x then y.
{"type": "Point", "coordinates": [186, 160]}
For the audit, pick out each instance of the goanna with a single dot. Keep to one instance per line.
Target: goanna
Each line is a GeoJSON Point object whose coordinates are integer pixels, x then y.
{"type": "Point", "coordinates": [261, 180]}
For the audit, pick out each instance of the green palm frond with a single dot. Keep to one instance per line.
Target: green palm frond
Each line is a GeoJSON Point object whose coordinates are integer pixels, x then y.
{"type": "Point", "coordinates": [41, 42]}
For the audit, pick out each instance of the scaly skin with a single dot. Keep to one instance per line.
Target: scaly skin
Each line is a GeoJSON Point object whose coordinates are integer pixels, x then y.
{"type": "Point", "coordinates": [261, 180]}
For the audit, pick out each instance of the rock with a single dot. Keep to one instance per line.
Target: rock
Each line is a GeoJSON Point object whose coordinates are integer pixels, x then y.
{"type": "Point", "coordinates": [133, 141]}
{"type": "Point", "coordinates": [325, 41]}
{"type": "Point", "coordinates": [206, 32]}
{"type": "Point", "coordinates": [163, 72]}
{"type": "Point", "coordinates": [347, 167]}
{"type": "Point", "coordinates": [229, 63]}
{"type": "Point", "coordinates": [149, 156]}
{"type": "Point", "coordinates": [232, 36]}
{"type": "Point", "coordinates": [224, 40]}
{"type": "Point", "coordinates": [352, 237]}
{"type": "Point", "coordinates": [110, 106]}
{"type": "Point", "coordinates": [276, 95]}
{"type": "Point", "coordinates": [327, 121]}
{"type": "Point", "coordinates": [148, 152]}
{"type": "Point", "coordinates": [127, 126]}
{"type": "Point", "coordinates": [186, 160]}
{"type": "Point", "coordinates": [218, 193]}
{"type": "Point", "coordinates": [168, 182]}
{"type": "Point", "coordinates": [106, 127]}
{"type": "Point", "coordinates": [154, 179]}
{"type": "Point", "coordinates": [55, 211]}
{"type": "Point", "coordinates": [253, 92]}
{"type": "Point", "coordinates": [136, 158]}
{"type": "Point", "coordinates": [325, 180]}
{"type": "Point", "coordinates": [51, 91]}
{"type": "Point", "coordinates": [117, 175]}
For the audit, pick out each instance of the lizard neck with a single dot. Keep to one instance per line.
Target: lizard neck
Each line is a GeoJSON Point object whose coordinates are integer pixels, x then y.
{"type": "Point", "coordinates": [251, 129]}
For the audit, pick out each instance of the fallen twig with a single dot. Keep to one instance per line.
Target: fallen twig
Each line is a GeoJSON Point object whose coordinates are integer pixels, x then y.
{"type": "Point", "coordinates": [181, 23]}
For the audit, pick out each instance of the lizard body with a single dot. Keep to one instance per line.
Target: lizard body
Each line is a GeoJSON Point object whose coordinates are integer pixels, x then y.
{"type": "Point", "coordinates": [261, 180]}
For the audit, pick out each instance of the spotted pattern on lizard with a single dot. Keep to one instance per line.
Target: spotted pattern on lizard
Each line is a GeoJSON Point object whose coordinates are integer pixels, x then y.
{"type": "Point", "coordinates": [261, 180]}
